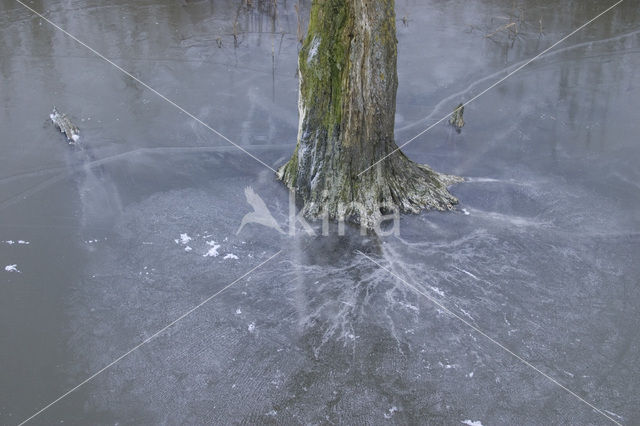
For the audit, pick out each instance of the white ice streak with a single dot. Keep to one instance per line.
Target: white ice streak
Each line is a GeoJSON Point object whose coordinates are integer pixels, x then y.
{"type": "Point", "coordinates": [437, 290]}
{"type": "Point", "coordinates": [517, 221]}
{"type": "Point", "coordinates": [11, 268]}
{"type": "Point", "coordinates": [613, 414]}
{"type": "Point", "coordinates": [471, 422]}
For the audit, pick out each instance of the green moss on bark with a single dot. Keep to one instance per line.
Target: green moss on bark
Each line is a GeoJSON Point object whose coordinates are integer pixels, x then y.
{"type": "Point", "coordinates": [324, 60]}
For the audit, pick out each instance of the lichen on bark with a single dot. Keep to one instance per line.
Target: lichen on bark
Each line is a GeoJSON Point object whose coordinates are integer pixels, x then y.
{"type": "Point", "coordinates": [347, 99]}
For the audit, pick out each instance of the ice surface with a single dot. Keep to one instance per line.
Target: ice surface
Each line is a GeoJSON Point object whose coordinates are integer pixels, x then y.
{"type": "Point", "coordinates": [543, 262]}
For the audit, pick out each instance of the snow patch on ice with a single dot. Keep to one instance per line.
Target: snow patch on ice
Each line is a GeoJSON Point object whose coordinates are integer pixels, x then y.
{"type": "Point", "coordinates": [471, 422]}
{"type": "Point", "coordinates": [185, 238]}
{"type": "Point", "coordinates": [251, 327]}
{"type": "Point", "coordinates": [238, 311]}
{"type": "Point", "coordinates": [11, 268]}
{"type": "Point", "coordinates": [391, 410]}
{"type": "Point", "coordinates": [187, 248]}
{"type": "Point", "coordinates": [11, 242]}
{"type": "Point", "coordinates": [213, 251]}
{"type": "Point", "coordinates": [230, 256]}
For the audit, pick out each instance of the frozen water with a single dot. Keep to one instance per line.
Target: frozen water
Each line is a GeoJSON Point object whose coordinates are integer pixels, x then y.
{"type": "Point", "coordinates": [544, 262]}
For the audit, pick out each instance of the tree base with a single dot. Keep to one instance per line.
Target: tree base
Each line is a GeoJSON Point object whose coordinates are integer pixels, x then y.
{"type": "Point", "coordinates": [396, 185]}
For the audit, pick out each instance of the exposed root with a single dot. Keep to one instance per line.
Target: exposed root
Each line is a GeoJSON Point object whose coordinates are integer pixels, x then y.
{"type": "Point", "coordinates": [411, 188]}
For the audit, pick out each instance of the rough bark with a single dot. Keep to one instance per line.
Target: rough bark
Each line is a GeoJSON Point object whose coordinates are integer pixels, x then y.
{"type": "Point", "coordinates": [347, 102]}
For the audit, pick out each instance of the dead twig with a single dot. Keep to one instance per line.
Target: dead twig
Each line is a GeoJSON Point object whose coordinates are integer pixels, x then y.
{"type": "Point", "coordinates": [511, 27]}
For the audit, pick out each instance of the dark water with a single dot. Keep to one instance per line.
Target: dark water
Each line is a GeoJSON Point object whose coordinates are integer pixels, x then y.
{"type": "Point", "coordinates": [542, 254]}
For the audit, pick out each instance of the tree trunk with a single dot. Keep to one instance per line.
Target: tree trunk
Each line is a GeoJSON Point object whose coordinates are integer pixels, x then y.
{"type": "Point", "coordinates": [347, 101]}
